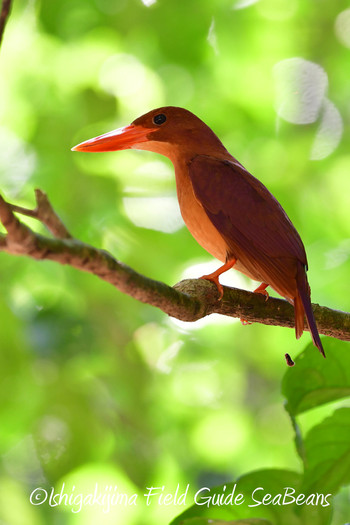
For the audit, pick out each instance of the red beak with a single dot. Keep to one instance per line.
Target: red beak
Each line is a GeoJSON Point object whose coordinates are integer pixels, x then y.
{"type": "Point", "coordinates": [121, 138]}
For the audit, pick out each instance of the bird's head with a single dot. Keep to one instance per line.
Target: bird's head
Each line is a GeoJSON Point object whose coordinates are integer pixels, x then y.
{"type": "Point", "coordinates": [168, 130]}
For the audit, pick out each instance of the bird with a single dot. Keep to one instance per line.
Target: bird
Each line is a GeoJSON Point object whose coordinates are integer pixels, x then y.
{"type": "Point", "coordinates": [229, 212]}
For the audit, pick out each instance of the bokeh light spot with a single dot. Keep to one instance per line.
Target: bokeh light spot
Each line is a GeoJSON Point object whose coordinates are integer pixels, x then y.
{"type": "Point", "coordinates": [178, 83]}
{"type": "Point", "coordinates": [135, 86]}
{"type": "Point", "coordinates": [242, 4]}
{"type": "Point", "coordinates": [214, 443]}
{"type": "Point", "coordinates": [148, 3]}
{"type": "Point", "coordinates": [197, 385]}
{"type": "Point", "coordinates": [212, 38]}
{"type": "Point", "coordinates": [342, 27]}
{"type": "Point", "coordinates": [338, 255]}
{"type": "Point", "coordinates": [122, 75]}
{"type": "Point", "coordinates": [277, 9]}
{"type": "Point", "coordinates": [17, 162]}
{"type": "Point", "coordinates": [155, 213]}
{"type": "Point", "coordinates": [301, 86]}
{"type": "Point", "coordinates": [329, 133]}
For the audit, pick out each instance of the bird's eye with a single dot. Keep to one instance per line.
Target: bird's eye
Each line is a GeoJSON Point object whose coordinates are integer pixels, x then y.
{"type": "Point", "coordinates": [159, 119]}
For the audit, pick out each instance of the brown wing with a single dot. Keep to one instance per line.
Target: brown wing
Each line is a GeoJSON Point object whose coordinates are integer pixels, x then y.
{"type": "Point", "coordinates": [247, 215]}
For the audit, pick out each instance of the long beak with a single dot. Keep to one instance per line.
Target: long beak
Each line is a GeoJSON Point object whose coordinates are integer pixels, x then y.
{"type": "Point", "coordinates": [121, 138]}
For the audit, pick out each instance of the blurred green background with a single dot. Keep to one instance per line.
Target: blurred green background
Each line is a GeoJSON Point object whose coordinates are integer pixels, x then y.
{"type": "Point", "coordinates": [94, 386]}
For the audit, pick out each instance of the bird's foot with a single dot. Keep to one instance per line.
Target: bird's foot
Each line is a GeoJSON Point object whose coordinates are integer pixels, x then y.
{"type": "Point", "coordinates": [262, 289]}
{"type": "Point", "coordinates": [215, 280]}
{"type": "Point", "coordinates": [214, 277]}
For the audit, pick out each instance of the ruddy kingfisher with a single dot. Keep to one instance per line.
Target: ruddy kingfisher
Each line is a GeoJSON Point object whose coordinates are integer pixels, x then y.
{"type": "Point", "coordinates": [230, 213]}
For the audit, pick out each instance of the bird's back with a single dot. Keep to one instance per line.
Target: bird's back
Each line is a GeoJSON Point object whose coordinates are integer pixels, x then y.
{"type": "Point", "coordinates": [245, 222]}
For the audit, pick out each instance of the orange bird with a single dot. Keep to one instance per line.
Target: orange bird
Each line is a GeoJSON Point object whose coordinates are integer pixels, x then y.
{"type": "Point", "coordinates": [227, 210]}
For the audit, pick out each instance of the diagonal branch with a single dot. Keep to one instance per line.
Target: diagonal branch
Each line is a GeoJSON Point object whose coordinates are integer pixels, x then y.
{"type": "Point", "coordinates": [188, 300]}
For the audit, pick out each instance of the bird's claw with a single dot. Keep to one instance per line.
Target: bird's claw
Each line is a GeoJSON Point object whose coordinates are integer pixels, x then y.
{"type": "Point", "coordinates": [214, 279]}
{"type": "Point", "coordinates": [262, 289]}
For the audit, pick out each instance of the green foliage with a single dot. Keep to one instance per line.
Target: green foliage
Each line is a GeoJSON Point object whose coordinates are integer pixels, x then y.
{"type": "Point", "coordinates": [327, 453]}
{"type": "Point", "coordinates": [97, 388]}
{"type": "Point", "coordinates": [314, 381]}
{"type": "Point", "coordinates": [283, 496]}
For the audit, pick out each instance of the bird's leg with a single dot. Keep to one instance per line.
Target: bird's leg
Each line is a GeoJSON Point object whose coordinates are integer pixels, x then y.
{"type": "Point", "coordinates": [214, 277]}
{"type": "Point", "coordinates": [262, 289]}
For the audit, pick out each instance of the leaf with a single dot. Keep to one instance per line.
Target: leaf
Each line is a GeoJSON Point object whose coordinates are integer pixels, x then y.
{"type": "Point", "coordinates": [314, 381]}
{"type": "Point", "coordinates": [280, 488]}
{"type": "Point", "coordinates": [327, 451]}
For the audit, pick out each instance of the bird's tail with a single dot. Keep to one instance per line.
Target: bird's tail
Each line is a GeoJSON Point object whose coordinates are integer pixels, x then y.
{"type": "Point", "coordinates": [302, 304]}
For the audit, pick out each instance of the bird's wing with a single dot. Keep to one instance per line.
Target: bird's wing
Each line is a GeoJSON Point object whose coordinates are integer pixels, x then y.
{"type": "Point", "coordinates": [242, 209]}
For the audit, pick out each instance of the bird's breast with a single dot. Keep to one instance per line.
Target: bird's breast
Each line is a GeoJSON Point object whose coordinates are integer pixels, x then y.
{"type": "Point", "coordinates": [195, 217]}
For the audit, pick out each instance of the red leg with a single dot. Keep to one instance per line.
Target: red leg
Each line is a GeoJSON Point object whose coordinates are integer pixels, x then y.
{"type": "Point", "coordinates": [214, 277]}
{"type": "Point", "coordinates": [262, 289]}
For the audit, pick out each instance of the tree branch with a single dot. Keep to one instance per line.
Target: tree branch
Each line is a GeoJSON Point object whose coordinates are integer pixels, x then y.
{"type": "Point", "coordinates": [188, 300]}
{"type": "Point", "coordinates": [45, 213]}
{"type": "Point", "coordinates": [5, 11]}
